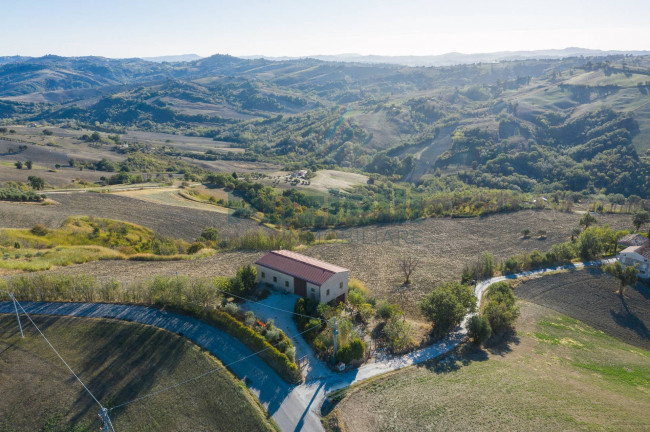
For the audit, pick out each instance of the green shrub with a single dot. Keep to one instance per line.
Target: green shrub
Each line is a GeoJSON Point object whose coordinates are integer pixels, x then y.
{"type": "Point", "coordinates": [280, 362]}
{"type": "Point", "coordinates": [231, 308]}
{"type": "Point", "coordinates": [478, 329]}
{"type": "Point", "coordinates": [500, 310]}
{"type": "Point", "coordinates": [387, 310]}
{"type": "Point", "coordinates": [195, 247]}
{"type": "Point", "coordinates": [39, 230]}
{"type": "Point", "coordinates": [446, 306]}
{"type": "Point", "coordinates": [398, 335]}
{"type": "Point", "coordinates": [352, 351]}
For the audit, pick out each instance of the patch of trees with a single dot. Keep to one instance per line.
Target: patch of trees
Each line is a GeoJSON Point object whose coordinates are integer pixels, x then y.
{"type": "Point", "coordinates": [446, 306]}
{"type": "Point", "coordinates": [592, 153]}
{"type": "Point", "coordinates": [14, 194]}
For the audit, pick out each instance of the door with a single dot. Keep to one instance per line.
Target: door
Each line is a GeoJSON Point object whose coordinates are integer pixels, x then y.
{"type": "Point", "coordinates": [300, 287]}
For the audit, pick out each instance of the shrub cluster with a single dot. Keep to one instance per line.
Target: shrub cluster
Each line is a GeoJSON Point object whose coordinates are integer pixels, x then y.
{"type": "Point", "coordinates": [500, 309]}
{"type": "Point", "coordinates": [13, 194]}
{"type": "Point", "coordinates": [446, 306]}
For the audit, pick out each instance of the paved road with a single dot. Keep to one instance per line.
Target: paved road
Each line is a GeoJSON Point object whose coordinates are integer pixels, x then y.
{"type": "Point", "coordinates": [293, 408]}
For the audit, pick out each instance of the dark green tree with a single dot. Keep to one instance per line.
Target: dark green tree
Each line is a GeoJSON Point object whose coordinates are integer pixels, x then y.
{"type": "Point", "coordinates": [640, 218]}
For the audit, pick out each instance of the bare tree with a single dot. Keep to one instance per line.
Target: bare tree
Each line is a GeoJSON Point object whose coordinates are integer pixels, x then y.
{"type": "Point", "coordinates": [408, 265]}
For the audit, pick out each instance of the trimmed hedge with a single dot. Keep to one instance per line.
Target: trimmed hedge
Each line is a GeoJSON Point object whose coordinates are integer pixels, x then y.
{"type": "Point", "coordinates": [256, 342]}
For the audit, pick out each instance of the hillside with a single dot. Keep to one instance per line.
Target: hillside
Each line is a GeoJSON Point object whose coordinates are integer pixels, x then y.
{"type": "Point", "coordinates": [535, 125]}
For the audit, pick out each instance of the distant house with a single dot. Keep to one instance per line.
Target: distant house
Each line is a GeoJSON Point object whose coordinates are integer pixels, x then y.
{"type": "Point", "coordinates": [304, 276]}
{"type": "Point", "coordinates": [639, 256]}
{"type": "Point", "coordinates": [633, 240]}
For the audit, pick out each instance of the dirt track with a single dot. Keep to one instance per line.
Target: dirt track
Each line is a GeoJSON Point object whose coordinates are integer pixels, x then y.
{"type": "Point", "coordinates": [590, 296]}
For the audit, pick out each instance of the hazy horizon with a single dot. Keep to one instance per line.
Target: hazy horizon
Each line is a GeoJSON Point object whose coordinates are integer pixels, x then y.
{"type": "Point", "coordinates": [149, 28]}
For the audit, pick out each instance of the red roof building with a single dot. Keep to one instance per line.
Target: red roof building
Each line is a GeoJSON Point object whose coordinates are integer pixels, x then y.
{"type": "Point", "coordinates": [303, 275]}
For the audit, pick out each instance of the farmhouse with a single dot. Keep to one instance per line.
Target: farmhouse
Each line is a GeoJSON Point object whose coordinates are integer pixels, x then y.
{"type": "Point", "coordinates": [639, 256]}
{"type": "Point", "coordinates": [304, 276]}
{"type": "Point", "coordinates": [633, 240]}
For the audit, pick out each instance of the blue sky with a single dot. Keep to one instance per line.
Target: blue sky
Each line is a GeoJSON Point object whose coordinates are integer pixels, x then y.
{"type": "Point", "coordinates": [119, 28]}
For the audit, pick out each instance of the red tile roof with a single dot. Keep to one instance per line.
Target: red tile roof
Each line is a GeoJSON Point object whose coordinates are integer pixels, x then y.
{"type": "Point", "coordinates": [644, 251]}
{"type": "Point", "coordinates": [633, 240]}
{"type": "Point", "coordinates": [300, 266]}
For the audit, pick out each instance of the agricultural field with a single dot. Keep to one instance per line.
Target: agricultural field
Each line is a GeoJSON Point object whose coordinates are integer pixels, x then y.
{"type": "Point", "coordinates": [590, 296]}
{"type": "Point", "coordinates": [172, 221]}
{"type": "Point", "coordinates": [444, 246]}
{"type": "Point", "coordinates": [118, 361]}
{"type": "Point", "coordinates": [173, 196]}
{"type": "Point", "coordinates": [557, 373]}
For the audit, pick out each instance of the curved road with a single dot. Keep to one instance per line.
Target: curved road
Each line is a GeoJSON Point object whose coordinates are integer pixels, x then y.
{"type": "Point", "coordinates": [293, 408]}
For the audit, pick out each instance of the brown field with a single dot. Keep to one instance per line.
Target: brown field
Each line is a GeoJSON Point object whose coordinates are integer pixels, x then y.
{"type": "Point", "coordinates": [168, 220]}
{"type": "Point", "coordinates": [556, 374]}
{"type": "Point", "coordinates": [118, 361]}
{"type": "Point", "coordinates": [443, 245]}
{"type": "Point", "coordinates": [590, 296]}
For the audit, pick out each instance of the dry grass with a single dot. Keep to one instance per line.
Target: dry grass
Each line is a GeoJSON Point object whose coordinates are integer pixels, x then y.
{"type": "Point", "coordinates": [118, 361]}
{"type": "Point", "coordinates": [172, 221]}
{"type": "Point", "coordinates": [557, 374]}
{"type": "Point", "coordinates": [443, 246]}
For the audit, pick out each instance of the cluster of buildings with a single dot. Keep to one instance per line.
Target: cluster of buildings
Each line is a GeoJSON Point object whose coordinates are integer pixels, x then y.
{"type": "Point", "coordinates": [636, 253]}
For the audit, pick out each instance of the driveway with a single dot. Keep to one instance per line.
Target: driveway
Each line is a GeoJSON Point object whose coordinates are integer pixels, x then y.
{"type": "Point", "coordinates": [293, 408]}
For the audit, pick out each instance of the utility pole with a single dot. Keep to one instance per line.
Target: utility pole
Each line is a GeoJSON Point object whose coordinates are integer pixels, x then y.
{"type": "Point", "coordinates": [107, 426]}
{"type": "Point", "coordinates": [335, 333]}
{"type": "Point", "coordinates": [20, 326]}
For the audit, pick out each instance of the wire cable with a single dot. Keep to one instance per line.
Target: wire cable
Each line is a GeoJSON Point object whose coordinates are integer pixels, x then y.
{"type": "Point", "coordinates": [197, 377]}
{"type": "Point", "coordinates": [59, 355]}
{"type": "Point", "coordinates": [271, 307]}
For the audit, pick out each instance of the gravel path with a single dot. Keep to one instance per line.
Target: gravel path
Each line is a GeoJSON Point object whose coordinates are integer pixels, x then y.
{"type": "Point", "coordinates": [293, 408]}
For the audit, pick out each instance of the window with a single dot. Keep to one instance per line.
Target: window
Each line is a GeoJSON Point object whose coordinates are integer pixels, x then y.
{"type": "Point", "coordinates": [286, 283]}
{"type": "Point", "coordinates": [313, 289]}
{"type": "Point", "coordinates": [340, 285]}
{"type": "Point", "coordinates": [275, 279]}
{"type": "Point", "coordinates": [263, 275]}
{"type": "Point", "coordinates": [328, 292]}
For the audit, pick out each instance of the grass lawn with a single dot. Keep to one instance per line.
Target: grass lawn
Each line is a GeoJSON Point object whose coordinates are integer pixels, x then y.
{"type": "Point", "coordinates": [119, 362]}
{"type": "Point", "coordinates": [556, 374]}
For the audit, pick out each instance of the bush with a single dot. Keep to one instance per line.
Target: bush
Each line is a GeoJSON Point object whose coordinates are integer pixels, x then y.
{"type": "Point", "coordinates": [352, 351]}
{"type": "Point", "coordinates": [231, 308]}
{"type": "Point", "coordinates": [501, 310]}
{"type": "Point", "coordinates": [387, 310]}
{"type": "Point", "coordinates": [210, 234]}
{"type": "Point", "coordinates": [479, 330]}
{"type": "Point", "coordinates": [446, 306]}
{"type": "Point", "coordinates": [195, 247]}
{"type": "Point", "coordinates": [398, 335]}
{"type": "Point", "coordinates": [280, 362]}
{"type": "Point", "coordinates": [39, 230]}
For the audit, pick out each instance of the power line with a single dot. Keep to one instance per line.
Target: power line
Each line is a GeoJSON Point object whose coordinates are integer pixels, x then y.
{"type": "Point", "coordinates": [59, 355]}
{"type": "Point", "coordinates": [197, 377]}
{"type": "Point", "coordinates": [272, 307]}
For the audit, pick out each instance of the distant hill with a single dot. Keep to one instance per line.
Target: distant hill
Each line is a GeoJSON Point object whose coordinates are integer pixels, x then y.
{"type": "Point", "coordinates": [173, 58]}
{"type": "Point", "coordinates": [455, 58]}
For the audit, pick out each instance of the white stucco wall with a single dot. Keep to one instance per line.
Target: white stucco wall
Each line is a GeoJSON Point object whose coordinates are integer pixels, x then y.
{"type": "Point", "coordinates": [269, 274]}
{"type": "Point", "coordinates": [320, 294]}
{"type": "Point", "coordinates": [333, 285]}
{"type": "Point", "coordinates": [632, 258]}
